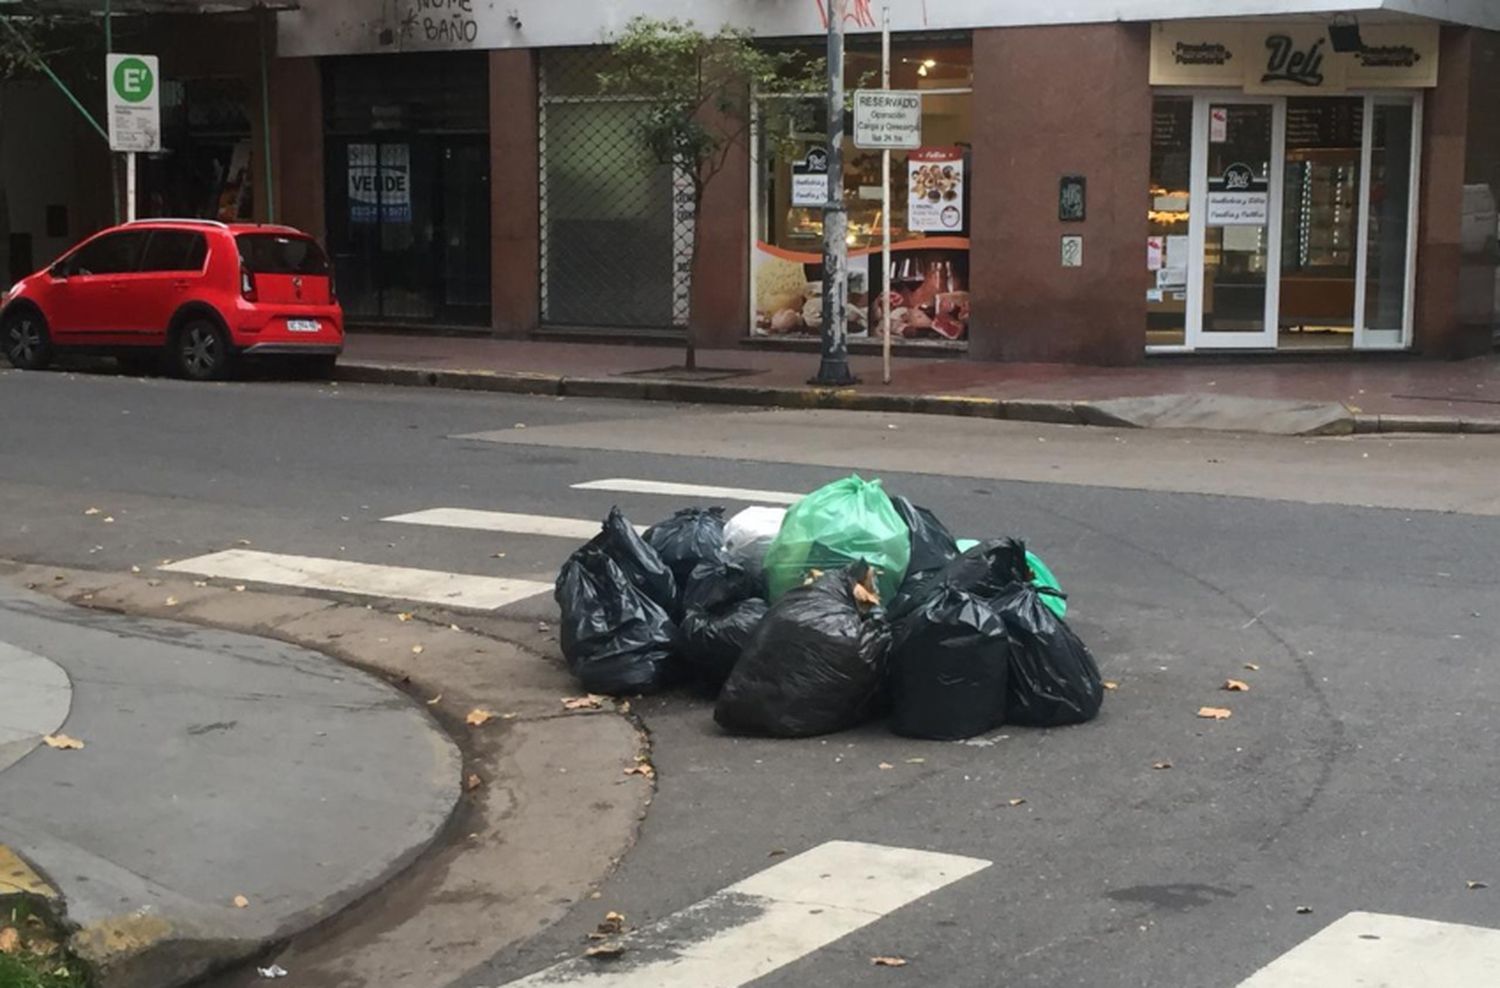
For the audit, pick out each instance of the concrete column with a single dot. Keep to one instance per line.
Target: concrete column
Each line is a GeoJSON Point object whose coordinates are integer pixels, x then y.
{"type": "Point", "coordinates": [1052, 101]}
{"type": "Point", "coordinates": [721, 279]}
{"type": "Point", "coordinates": [1445, 117]}
{"type": "Point", "coordinates": [515, 207]}
{"type": "Point", "coordinates": [297, 144]}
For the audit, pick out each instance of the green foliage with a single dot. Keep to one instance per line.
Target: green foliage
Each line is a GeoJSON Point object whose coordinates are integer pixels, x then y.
{"type": "Point", "coordinates": [697, 88]}
{"type": "Point", "coordinates": [31, 35]}
{"type": "Point", "coordinates": [30, 971]}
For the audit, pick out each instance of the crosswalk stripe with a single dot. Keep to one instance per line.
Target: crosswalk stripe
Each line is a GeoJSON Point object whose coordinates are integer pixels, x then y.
{"type": "Point", "coordinates": [503, 521]}
{"type": "Point", "coordinates": [628, 485]}
{"type": "Point", "coordinates": [1375, 950]}
{"type": "Point", "coordinates": [364, 579]}
{"type": "Point", "coordinates": [769, 920]}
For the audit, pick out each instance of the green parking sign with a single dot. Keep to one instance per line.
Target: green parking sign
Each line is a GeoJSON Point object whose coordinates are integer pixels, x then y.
{"type": "Point", "coordinates": [133, 80]}
{"type": "Point", "coordinates": [134, 97]}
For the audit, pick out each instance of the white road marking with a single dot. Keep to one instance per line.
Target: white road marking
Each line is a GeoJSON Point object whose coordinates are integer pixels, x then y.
{"type": "Point", "coordinates": [1374, 950]}
{"type": "Point", "coordinates": [769, 920]}
{"type": "Point", "coordinates": [365, 579]}
{"type": "Point", "coordinates": [503, 521]}
{"type": "Point", "coordinates": [627, 485]}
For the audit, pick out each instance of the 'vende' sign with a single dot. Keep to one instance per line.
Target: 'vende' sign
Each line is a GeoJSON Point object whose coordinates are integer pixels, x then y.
{"type": "Point", "coordinates": [887, 118]}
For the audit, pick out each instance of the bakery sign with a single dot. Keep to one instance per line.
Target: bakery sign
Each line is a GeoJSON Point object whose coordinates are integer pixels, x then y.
{"type": "Point", "coordinates": [1291, 57]}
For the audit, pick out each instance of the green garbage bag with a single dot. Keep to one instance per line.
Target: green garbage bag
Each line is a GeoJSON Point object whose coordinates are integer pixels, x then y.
{"type": "Point", "coordinates": [1044, 578]}
{"type": "Point", "coordinates": [842, 523]}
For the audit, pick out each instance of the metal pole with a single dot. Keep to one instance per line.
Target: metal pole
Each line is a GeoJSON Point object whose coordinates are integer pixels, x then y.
{"type": "Point", "coordinates": [130, 207]}
{"type": "Point", "coordinates": [114, 160]}
{"type": "Point", "coordinates": [264, 15]}
{"type": "Point", "coordinates": [833, 369]}
{"type": "Point", "coordinates": [885, 207]}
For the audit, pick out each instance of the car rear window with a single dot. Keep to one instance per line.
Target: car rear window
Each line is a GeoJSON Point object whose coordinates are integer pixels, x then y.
{"type": "Point", "coordinates": [279, 253]}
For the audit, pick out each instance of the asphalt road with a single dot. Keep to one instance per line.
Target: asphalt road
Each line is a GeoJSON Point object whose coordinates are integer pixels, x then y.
{"type": "Point", "coordinates": [1357, 773]}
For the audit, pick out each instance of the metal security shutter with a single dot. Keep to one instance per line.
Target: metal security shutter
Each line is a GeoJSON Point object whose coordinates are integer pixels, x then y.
{"type": "Point", "coordinates": [610, 238]}
{"type": "Point", "coordinates": [425, 93]}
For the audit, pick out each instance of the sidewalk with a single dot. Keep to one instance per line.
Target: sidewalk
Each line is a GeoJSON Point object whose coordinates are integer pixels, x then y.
{"type": "Point", "coordinates": [1309, 395]}
{"type": "Point", "coordinates": [228, 792]}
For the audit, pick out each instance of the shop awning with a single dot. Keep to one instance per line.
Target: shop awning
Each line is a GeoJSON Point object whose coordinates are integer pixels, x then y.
{"type": "Point", "coordinates": [163, 6]}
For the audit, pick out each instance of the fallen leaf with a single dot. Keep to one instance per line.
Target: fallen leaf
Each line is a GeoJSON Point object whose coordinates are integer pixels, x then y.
{"type": "Point", "coordinates": [864, 596]}
{"type": "Point", "coordinates": [10, 940]}
{"type": "Point", "coordinates": [888, 961]}
{"type": "Point", "coordinates": [403, 616]}
{"type": "Point", "coordinates": [1252, 667]}
{"type": "Point", "coordinates": [643, 769]}
{"type": "Point", "coordinates": [885, 765]}
{"type": "Point", "coordinates": [109, 519]}
{"type": "Point", "coordinates": [1215, 713]}
{"type": "Point", "coordinates": [62, 741]}
{"type": "Point", "coordinates": [454, 627]}
{"type": "Point", "coordinates": [239, 588]}
{"type": "Point", "coordinates": [1236, 686]}
{"type": "Point", "coordinates": [1110, 684]}
{"type": "Point", "coordinates": [171, 601]}
{"type": "Point", "coordinates": [240, 902]}
{"type": "Point", "coordinates": [135, 569]}
{"type": "Point", "coordinates": [1303, 910]}
{"type": "Point", "coordinates": [596, 895]}
{"type": "Point", "coordinates": [916, 761]}
{"type": "Point", "coordinates": [1475, 886]}
{"type": "Point", "coordinates": [1017, 801]}
{"type": "Point", "coordinates": [613, 925]}
{"type": "Point", "coordinates": [590, 701]}
{"type": "Point", "coordinates": [605, 951]}
{"type": "Point", "coordinates": [200, 583]}
{"type": "Point", "coordinates": [478, 716]}
{"type": "Point", "coordinates": [417, 650]}
{"type": "Point", "coordinates": [472, 782]}
{"type": "Point", "coordinates": [776, 852]}
{"type": "Point", "coordinates": [1162, 765]}
{"type": "Point", "coordinates": [433, 702]}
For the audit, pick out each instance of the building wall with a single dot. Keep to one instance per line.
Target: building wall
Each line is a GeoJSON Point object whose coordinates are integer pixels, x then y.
{"type": "Point", "coordinates": [1037, 118]}
{"type": "Point", "coordinates": [297, 144]}
{"type": "Point", "coordinates": [1479, 273]}
{"type": "Point", "coordinates": [515, 240]}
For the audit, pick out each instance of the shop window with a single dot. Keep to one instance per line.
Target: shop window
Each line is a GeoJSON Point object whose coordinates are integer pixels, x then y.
{"type": "Point", "coordinates": [927, 286]}
{"type": "Point", "coordinates": [206, 167]}
{"type": "Point", "coordinates": [612, 241]}
{"type": "Point", "coordinates": [1167, 211]}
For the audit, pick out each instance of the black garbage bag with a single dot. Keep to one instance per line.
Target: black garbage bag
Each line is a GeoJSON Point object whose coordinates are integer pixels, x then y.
{"type": "Point", "coordinates": [950, 663]}
{"type": "Point", "coordinates": [932, 545]}
{"type": "Point", "coordinates": [722, 606]}
{"type": "Point", "coordinates": [614, 637]}
{"type": "Point", "coordinates": [689, 537]}
{"type": "Point", "coordinates": [815, 665]}
{"type": "Point", "coordinates": [985, 570]}
{"type": "Point", "coordinates": [1053, 678]}
{"type": "Point", "coordinates": [640, 563]}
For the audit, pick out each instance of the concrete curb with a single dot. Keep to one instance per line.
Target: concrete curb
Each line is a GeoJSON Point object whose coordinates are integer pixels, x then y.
{"type": "Point", "coordinates": [1055, 412]}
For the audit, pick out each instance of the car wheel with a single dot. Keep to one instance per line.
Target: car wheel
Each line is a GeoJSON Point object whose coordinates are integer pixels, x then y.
{"type": "Point", "coordinates": [28, 345]}
{"type": "Point", "coordinates": [201, 351]}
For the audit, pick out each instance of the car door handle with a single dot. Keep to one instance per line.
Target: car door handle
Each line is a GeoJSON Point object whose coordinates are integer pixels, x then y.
{"type": "Point", "coordinates": [181, 283]}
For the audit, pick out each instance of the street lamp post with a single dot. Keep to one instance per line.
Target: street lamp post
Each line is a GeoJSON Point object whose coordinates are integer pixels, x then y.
{"type": "Point", "coordinates": [833, 368]}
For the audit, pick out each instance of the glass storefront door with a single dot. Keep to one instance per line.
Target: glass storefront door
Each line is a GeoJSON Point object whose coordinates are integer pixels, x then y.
{"type": "Point", "coordinates": [1236, 198]}
{"type": "Point", "coordinates": [1296, 227]}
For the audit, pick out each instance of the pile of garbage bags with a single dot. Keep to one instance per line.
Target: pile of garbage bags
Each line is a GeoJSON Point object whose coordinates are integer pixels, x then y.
{"type": "Point", "coordinates": [848, 606]}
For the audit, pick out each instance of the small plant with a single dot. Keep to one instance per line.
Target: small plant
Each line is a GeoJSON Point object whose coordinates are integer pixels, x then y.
{"type": "Point", "coordinates": [33, 953]}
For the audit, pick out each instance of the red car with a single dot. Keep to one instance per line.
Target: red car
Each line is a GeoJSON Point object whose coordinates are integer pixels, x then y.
{"type": "Point", "coordinates": [199, 291]}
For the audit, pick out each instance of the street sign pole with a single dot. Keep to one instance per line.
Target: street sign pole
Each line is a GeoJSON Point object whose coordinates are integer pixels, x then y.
{"type": "Point", "coordinates": [885, 207]}
{"type": "Point", "coordinates": [833, 368]}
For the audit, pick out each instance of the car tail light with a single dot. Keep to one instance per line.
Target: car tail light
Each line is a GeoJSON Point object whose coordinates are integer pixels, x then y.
{"type": "Point", "coordinates": [247, 284]}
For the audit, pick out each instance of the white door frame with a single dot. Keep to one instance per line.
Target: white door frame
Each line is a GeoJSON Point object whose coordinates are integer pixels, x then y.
{"type": "Point", "coordinates": [1366, 338]}
{"type": "Point", "coordinates": [1265, 338]}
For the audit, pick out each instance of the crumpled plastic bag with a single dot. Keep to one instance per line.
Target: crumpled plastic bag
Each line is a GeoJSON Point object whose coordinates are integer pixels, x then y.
{"type": "Point", "coordinates": [950, 663]}
{"type": "Point", "coordinates": [722, 606]}
{"type": "Point", "coordinates": [750, 533]}
{"type": "Point", "coordinates": [1053, 677]}
{"type": "Point", "coordinates": [837, 525]}
{"type": "Point", "coordinates": [689, 537]}
{"type": "Point", "coordinates": [641, 563]}
{"type": "Point", "coordinates": [615, 638]}
{"type": "Point", "coordinates": [932, 545]}
{"type": "Point", "coordinates": [815, 665]}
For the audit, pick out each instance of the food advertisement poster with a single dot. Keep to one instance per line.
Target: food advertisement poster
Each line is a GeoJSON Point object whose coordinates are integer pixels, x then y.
{"type": "Point", "coordinates": [935, 190]}
{"type": "Point", "coordinates": [789, 293]}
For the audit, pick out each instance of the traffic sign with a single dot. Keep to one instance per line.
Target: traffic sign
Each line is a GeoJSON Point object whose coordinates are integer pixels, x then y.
{"type": "Point", "coordinates": [887, 118]}
{"type": "Point", "coordinates": [134, 101]}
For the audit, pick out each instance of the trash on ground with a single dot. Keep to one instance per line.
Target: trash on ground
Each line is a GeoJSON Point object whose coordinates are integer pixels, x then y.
{"type": "Point", "coordinates": [274, 971]}
{"type": "Point", "coordinates": [1236, 686]}
{"type": "Point", "coordinates": [691, 536]}
{"type": "Point", "coordinates": [845, 522]}
{"type": "Point", "coordinates": [723, 604]}
{"type": "Point", "coordinates": [240, 902]}
{"type": "Point", "coordinates": [62, 742]}
{"type": "Point", "coordinates": [590, 702]}
{"type": "Point", "coordinates": [815, 665]}
{"type": "Point", "coordinates": [1215, 713]}
{"type": "Point", "coordinates": [1053, 678]}
{"type": "Point", "coordinates": [478, 717]}
{"type": "Point", "coordinates": [950, 663]}
{"type": "Point", "coordinates": [888, 961]}
{"type": "Point", "coordinates": [616, 637]}
{"type": "Point", "coordinates": [605, 951]}
{"type": "Point", "coordinates": [932, 545]}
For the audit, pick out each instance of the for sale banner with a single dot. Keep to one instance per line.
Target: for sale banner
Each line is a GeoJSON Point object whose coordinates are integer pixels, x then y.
{"type": "Point", "coordinates": [935, 190]}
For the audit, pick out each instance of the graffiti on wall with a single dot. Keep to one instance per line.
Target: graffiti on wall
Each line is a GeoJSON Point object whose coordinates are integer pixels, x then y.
{"type": "Point", "coordinates": [439, 22]}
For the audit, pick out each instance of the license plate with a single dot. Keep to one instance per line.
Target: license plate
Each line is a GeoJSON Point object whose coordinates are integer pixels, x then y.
{"type": "Point", "coordinates": [303, 325]}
